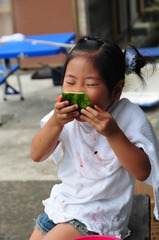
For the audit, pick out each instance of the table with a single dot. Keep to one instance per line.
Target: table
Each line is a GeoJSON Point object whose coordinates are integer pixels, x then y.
{"type": "Point", "coordinates": [17, 49]}
{"type": "Point", "coordinates": [149, 51]}
{"type": "Point", "coordinates": [31, 48]}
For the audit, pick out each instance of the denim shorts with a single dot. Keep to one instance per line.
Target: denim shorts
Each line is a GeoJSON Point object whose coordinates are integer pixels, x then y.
{"type": "Point", "coordinates": [45, 225]}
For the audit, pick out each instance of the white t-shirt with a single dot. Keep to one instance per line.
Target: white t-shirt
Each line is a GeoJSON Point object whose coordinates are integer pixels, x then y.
{"type": "Point", "coordinates": [95, 188]}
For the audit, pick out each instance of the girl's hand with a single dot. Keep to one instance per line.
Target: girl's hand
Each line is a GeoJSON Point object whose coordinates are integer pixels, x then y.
{"type": "Point", "coordinates": [63, 113]}
{"type": "Point", "coordinates": [102, 121]}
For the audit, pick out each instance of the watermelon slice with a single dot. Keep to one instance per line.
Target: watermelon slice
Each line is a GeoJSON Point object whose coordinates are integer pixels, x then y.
{"type": "Point", "coordinates": [79, 98]}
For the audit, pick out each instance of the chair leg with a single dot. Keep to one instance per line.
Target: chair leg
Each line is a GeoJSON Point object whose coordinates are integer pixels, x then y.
{"type": "Point", "coordinates": [4, 91]}
{"type": "Point", "coordinates": [20, 88]}
{"type": "Point", "coordinates": [10, 90]}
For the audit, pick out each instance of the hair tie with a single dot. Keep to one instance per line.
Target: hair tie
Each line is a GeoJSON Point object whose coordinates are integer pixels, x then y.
{"type": "Point", "coordinates": [71, 49]}
{"type": "Point", "coordinates": [130, 60]}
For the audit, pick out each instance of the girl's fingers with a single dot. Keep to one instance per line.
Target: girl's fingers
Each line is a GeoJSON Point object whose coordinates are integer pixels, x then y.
{"type": "Point", "coordinates": [66, 112]}
{"type": "Point", "coordinates": [90, 113]}
{"type": "Point", "coordinates": [69, 109]}
{"type": "Point", "coordinates": [63, 112]}
{"type": "Point", "coordinates": [99, 109]}
{"type": "Point", "coordinates": [71, 114]}
{"type": "Point", "coordinates": [59, 98]}
{"type": "Point", "coordinates": [95, 116]}
{"type": "Point", "coordinates": [64, 106]}
{"type": "Point", "coordinates": [60, 105]}
{"type": "Point", "coordinates": [85, 114]}
{"type": "Point", "coordinates": [88, 116]}
{"type": "Point", "coordinates": [96, 113]}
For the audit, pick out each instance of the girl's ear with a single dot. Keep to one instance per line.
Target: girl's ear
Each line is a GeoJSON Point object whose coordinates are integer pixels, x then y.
{"type": "Point", "coordinates": [117, 90]}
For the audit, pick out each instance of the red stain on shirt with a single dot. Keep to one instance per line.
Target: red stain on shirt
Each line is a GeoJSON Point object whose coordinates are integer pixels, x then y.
{"type": "Point", "coordinates": [81, 164]}
{"type": "Point", "coordinates": [99, 159]}
{"type": "Point", "coordinates": [96, 218]}
{"type": "Point", "coordinates": [79, 157]}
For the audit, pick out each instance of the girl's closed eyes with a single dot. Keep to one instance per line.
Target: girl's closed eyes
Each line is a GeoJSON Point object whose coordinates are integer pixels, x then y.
{"type": "Point", "coordinates": [69, 82]}
{"type": "Point", "coordinates": [92, 84]}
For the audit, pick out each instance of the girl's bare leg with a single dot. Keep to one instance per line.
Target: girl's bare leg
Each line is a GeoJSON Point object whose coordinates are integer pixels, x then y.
{"type": "Point", "coordinates": [36, 235]}
{"type": "Point", "coordinates": [62, 231]}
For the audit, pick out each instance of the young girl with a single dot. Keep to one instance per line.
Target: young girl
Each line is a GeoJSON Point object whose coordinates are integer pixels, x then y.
{"type": "Point", "coordinates": [104, 149]}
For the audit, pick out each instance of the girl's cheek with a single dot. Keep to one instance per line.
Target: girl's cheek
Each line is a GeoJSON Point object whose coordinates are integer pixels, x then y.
{"type": "Point", "coordinates": [94, 99]}
{"type": "Point", "coordinates": [68, 88]}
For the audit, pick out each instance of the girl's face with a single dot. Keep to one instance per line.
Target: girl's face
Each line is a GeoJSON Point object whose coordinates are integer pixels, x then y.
{"type": "Point", "coordinates": [81, 76]}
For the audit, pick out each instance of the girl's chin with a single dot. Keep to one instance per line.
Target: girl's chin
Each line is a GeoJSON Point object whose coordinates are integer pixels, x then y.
{"type": "Point", "coordinates": [79, 119]}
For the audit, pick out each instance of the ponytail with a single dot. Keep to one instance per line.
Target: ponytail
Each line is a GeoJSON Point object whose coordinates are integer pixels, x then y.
{"type": "Point", "coordinates": [134, 61]}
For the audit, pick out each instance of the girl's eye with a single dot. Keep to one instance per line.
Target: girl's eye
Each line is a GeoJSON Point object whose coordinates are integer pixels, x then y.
{"type": "Point", "coordinates": [70, 83]}
{"type": "Point", "coordinates": [91, 85]}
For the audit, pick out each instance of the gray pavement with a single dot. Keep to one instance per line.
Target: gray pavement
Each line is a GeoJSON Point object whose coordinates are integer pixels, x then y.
{"type": "Point", "coordinates": [24, 183]}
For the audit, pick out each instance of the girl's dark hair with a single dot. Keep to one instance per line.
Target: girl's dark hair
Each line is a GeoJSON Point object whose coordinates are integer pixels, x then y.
{"type": "Point", "coordinates": [108, 59]}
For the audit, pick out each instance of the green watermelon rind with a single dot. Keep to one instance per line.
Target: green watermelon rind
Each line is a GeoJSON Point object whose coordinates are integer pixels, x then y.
{"type": "Point", "coordinates": [79, 98]}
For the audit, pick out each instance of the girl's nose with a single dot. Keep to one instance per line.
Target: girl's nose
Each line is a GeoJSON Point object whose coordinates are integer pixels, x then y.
{"type": "Point", "coordinates": [80, 88]}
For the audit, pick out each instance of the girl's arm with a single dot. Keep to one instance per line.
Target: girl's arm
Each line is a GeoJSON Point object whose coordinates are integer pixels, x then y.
{"type": "Point", "coordinates": [46, 140]}
{"type": "Point", "coordinates": [132, 158]}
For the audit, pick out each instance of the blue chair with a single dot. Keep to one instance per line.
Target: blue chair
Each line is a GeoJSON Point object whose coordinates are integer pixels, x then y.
{"type": "Point", "coordinates": [4, 74]}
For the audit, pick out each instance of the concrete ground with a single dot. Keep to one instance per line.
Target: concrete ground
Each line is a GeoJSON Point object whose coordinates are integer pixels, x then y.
{"type": "Point", "coordinates": [24, 183]}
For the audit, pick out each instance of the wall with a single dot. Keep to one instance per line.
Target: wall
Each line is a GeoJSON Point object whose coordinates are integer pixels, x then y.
{"type": "Point", "coordinates": [42, 17]}
{"type": "Point", "coordinates": [6, 26]}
